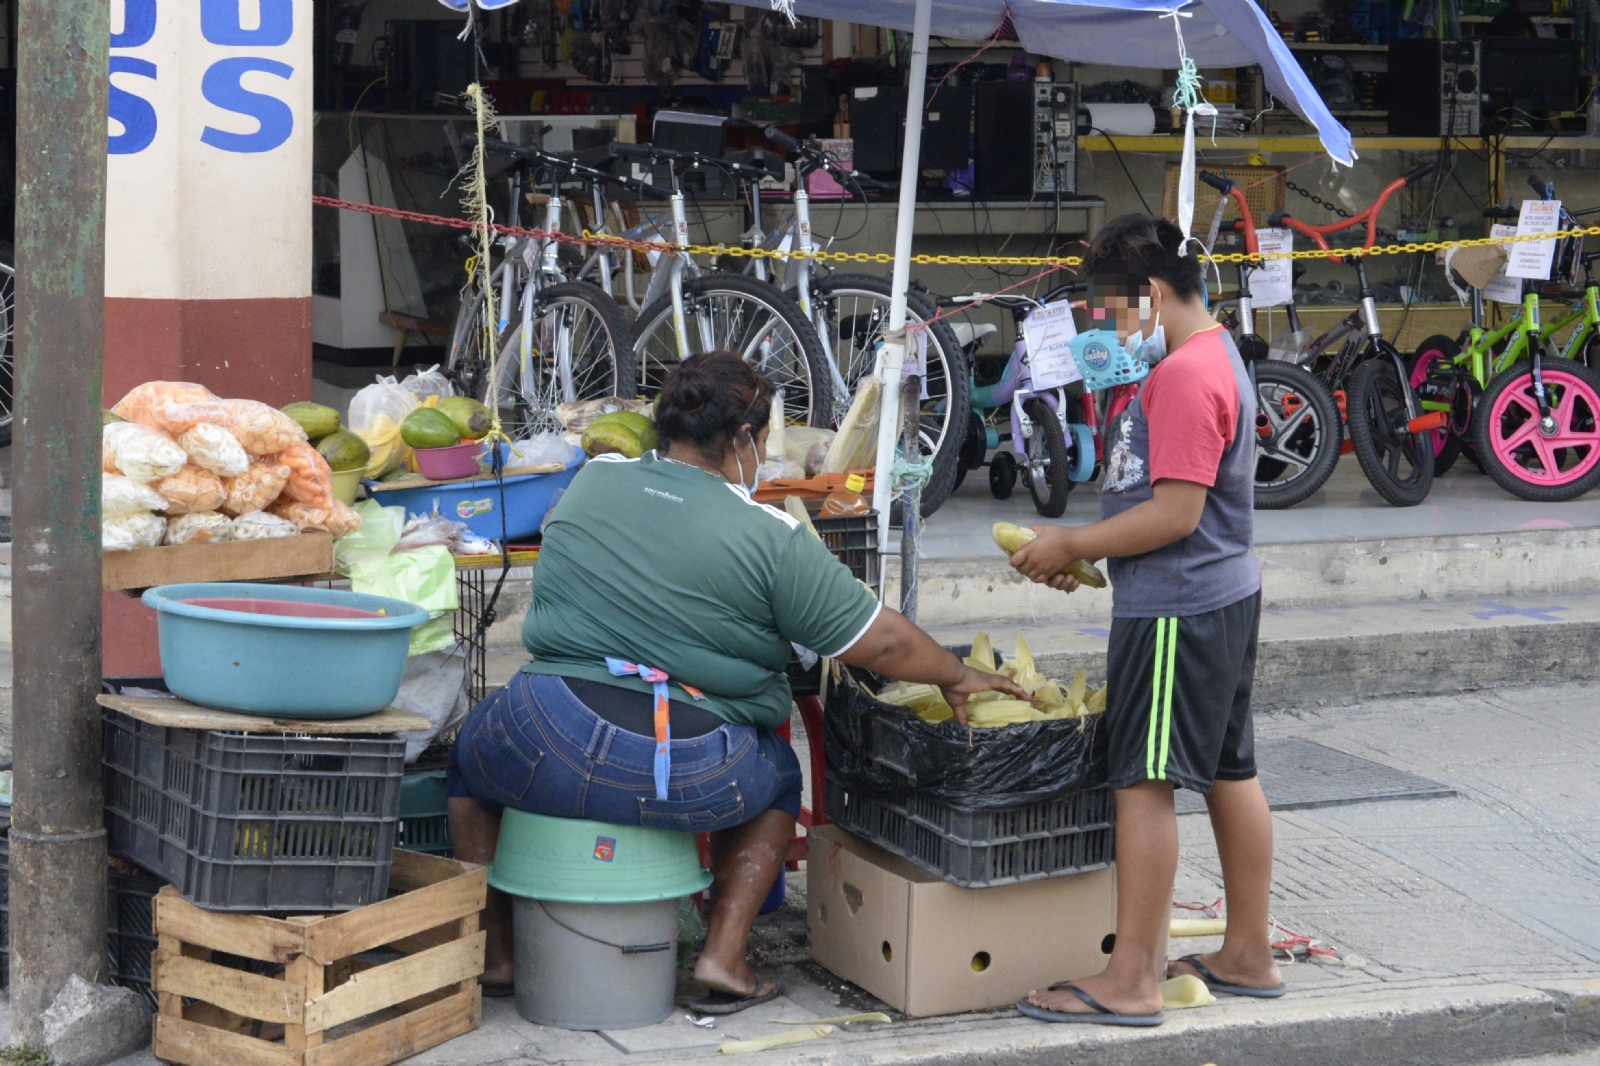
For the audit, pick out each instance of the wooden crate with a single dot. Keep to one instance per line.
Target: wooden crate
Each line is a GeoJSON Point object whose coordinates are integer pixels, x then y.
{"type": "Point", "coordinates": [308, 554]}
{"type": "Point", "coordinates": [322, 1005]}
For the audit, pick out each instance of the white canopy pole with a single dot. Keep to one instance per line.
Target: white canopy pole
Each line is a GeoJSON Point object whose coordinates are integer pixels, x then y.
{"type": "Point", "coordinates": [892, 361]}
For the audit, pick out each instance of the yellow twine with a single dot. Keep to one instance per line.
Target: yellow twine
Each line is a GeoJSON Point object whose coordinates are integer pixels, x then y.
{"type": "Point", "coordinates": [476, 205]}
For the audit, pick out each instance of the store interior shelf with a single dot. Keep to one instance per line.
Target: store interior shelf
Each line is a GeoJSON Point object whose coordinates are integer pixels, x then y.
{"type": "Point", "coordinates": [1328, 46]}
{"type": "Point", "coordinates": [1309, 143]}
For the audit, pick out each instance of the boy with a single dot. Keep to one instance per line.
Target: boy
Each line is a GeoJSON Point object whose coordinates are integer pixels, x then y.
{"type": "Point", "coordinates": [1176, 530]}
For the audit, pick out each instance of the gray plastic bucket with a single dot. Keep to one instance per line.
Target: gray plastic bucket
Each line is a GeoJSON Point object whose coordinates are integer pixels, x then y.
{"type": "Point", "coordinates": [595, 965]}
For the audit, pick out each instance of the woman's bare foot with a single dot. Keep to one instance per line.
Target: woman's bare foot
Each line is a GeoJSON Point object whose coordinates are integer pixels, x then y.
{"type": "Point", "coordinates": [738, 981]}
{"type": "Point", "coordinates": [1137, 998]}
{"type": "Point", "coordinates": [500, 975]}
{"type": "Point", "coordinates": [1253, 973]}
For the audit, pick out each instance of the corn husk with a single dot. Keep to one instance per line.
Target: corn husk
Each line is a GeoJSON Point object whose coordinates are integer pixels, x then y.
{"type": "Point", "coordinates": [796, 509]}
{"type": "Point", "coordinates": [843, 1019]}
{"type": "Point", "coordinates": [855, 445]}
{"type": "Point", "coordinates": [1013, 538]}
{"type": "Point", "coordinates": [795, 1036]}
{"type": "Point", "coordinates": [1185, 991]}
{"type": "Point", "coordinates": [1199, 926]}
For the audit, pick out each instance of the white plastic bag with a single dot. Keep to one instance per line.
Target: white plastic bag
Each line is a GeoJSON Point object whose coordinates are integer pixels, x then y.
{"type": "Point", "coordinates": [127, 532]}
{"type": "Point", "coordinates": [259, 525]}
{"type": "Point", "coordinates": [205, 527]}
{"type": "Point", "coordinates": [426, 530]}
{"type": "Point", "coordinates": [429, 383]}
{"type": "Point", "coordinates": [434, 685]}
{"type": "Point", "coordinates": [375, 416]}
{"type": "Point", "coordinates": [139, 452]}
{"type": "Point", "coordinates": [540, 449]}
{"type": "Point", "coordinates": [780, 470]}
{"type": "Point", "coordinates": [215, 449]}
{"type": "Point", "coordinates": [123, 496]}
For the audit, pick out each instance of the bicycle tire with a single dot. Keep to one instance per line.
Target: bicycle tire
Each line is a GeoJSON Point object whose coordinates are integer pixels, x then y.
{"type": "Point", "coordinates": [799, 368]}
{"type": "Point", "coordinates": [1049, 498]}
{"type": "Point", "coordinates": [949, 377]}
{"type": "Point", "coordinates": [1376, 401]}
{"type": "Point", "coordinates": [603, 367]}
{"type": "Point", "coordinates": [1433, 369]}
{"type": "Point", "coordinates": [1502, 412]}
{"type": "Point", "coordinates": [1304, 432]}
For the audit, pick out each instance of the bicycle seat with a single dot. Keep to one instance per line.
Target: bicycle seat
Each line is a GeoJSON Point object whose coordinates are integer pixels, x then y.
{"type": "Point", "coordinates": [969, 332]}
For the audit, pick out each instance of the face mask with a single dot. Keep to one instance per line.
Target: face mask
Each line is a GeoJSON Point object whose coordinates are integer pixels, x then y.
{"type": "Point", "coordinates": [748, 486]}
{"type": "Point", "coordinates": [1151, 349]}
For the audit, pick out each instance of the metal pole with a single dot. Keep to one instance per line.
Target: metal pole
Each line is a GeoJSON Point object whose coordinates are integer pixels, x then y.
{"type": "Point", "coordinates": [910, 502]}
{"type": "Point", "coordinates": [58, 850]}
{"type": "Point", "coordinates": [892, 359]}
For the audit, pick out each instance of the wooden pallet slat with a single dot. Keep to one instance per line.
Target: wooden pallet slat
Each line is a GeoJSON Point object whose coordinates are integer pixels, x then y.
{"type": "Point", "coordinates": [403, 1037]}
{"type": "Point", "coordinates": [400, 916]}
{"type": "Point", "coordinates": [244, 993]}
{"type": "Point", "coordinates": [176, 1040]}
{"type": "Point", "coordinates": [250, 935]}
{"type": "Point", "coordinates": [395, 982]}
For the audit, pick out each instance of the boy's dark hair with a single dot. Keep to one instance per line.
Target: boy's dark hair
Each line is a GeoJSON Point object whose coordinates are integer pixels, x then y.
{"type": "Point", "coordinates": [1138, 246]}
{"type": "Point", "coordinates": [707, 397]}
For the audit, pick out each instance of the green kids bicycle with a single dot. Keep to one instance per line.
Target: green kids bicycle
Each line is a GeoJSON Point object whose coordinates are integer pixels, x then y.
{"type": "Point", "coordinates": [1529, 416]}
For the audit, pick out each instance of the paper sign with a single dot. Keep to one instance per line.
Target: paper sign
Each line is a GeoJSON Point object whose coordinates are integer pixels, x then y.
{"type": "Point", "coordinates": [1272, 283]}
{"type": "Point", "coordinates": [1532, 259]}
{"type": "Point", "coordinates": [1501, 288]}
{"type": "Point", "coordinates": [1048, 333]}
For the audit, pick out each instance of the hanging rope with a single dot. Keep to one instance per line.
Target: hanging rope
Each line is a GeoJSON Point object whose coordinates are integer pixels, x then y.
{"type": "Point", "coordinates": [1189, 96]}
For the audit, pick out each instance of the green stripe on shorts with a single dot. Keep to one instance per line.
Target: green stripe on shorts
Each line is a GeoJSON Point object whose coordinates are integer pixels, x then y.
{"type": "Point", "coordinates": [1159, 745]}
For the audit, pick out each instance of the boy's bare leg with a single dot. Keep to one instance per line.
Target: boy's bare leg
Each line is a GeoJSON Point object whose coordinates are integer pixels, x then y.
{"type": "Point", "coordinates": [1147, 863]}
{"type": "Point", "coordinates": [1243, 827]}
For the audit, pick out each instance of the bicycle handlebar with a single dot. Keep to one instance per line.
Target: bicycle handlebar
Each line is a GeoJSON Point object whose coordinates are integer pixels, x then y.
{"type": "Point", "coordinates": [1369, 216]}
{"type": "Point", "coordinates": [781, 139]}
{"type": "Point", "coordinates": [1417, 173]}
{"type": "Point", "coordinates": [1500, 211]}
{"type": "Point", "coordinates": [1222, 185]}
{"type": "Point", "coordinates": [1540, 188]}
{"type": "Point", "coordinates": [1245, 223]}
{"type": "Point", "coordinates": [820, 159]}
{"type": "Point", "coordinates": [571, 166]}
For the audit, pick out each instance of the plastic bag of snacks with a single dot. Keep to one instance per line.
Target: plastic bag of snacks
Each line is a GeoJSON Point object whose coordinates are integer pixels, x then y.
{"type": "Point", "coordinates": [205, 527]}
{"type": "Point", "coordinates": [127, 532]}
{"type": "Point", "coordinates": [375, 416]}
{"type": "Point", "coordinates": [429, 384]}
{"type": "Point", "coordinates": [343, 519]}
{"type": "Point", "coordinates": [170, 406]}
{"type": "Point", "coordinates": [215, 449]}
{"type": "Point", "coordinates": [259, 525]}
{"type": "Point", "coordinates": [139, 452]}
{"type": "Point", "coordinates": [255, 489]}
{"type": "Point", "coordinates": [304, 515]}
{"type": "Point", "coordinates": [190, 490]}
{"type": "Point", "coordinates": [310, 480]}
{"type": "Point", "coordinates": [122, 495]}
{"type": "Point", "coordinates": [262, 430]}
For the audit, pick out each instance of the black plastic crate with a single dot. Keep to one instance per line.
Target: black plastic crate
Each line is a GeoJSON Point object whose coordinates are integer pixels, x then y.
{"type": "Point", "coordinates": [254, 822]}
{"type": "Point", "coordinates": [130, 929]}
{"type": "Point", "coordinates": [982, 849]}
{"type": "Point", "coordinates": [853, 539]}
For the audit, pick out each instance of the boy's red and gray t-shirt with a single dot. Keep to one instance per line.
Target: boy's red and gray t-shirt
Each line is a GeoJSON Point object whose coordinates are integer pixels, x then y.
{"type": "Point", "coordinates": [1192, 421]}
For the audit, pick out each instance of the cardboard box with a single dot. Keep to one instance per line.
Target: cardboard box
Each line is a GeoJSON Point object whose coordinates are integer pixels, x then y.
{"type": "Point", "coordinates": [925, 946]}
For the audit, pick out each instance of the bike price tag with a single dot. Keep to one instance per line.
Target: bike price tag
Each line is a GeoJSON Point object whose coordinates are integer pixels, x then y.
{"type": "Point", "coordinates": [1272, 283]}
{"type": "Point", "coordinates": [1502, 289]}
{"type": "Point", "coordinates": [1532, 259]}
{"type": "Point", "coordinates": [1048, 333]}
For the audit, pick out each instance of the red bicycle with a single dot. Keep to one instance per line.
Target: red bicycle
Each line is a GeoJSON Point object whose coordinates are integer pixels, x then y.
{"type": "Point", "coordinates": [1391, 433]}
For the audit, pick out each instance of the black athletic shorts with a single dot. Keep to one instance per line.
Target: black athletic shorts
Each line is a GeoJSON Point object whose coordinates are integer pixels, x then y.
{"type": "Point", "coordinates": [1178, 697]}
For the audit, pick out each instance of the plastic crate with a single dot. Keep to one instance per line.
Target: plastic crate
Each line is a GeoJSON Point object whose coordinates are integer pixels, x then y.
{"type": "Point", "coordinates": [254, 822]}
{"type": "Point", "coordinates": [424, 814]}
{"type": "Point", "coordinates": [853, 539]}
{"type": "Point", "coordinates": [982, 849]}
{"type": "Point", "coordinates": [130, 929]}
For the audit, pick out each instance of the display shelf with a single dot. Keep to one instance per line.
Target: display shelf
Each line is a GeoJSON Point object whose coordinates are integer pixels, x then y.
{"type": "Point", "coordinates": [1321, 46]}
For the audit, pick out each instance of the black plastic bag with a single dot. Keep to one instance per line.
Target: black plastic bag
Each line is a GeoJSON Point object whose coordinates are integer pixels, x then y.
{"type": "Point", "coordinates": [878, 747]}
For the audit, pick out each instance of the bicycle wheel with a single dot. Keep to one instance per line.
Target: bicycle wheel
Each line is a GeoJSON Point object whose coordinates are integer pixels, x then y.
{"type": "Point", "coordinates": [1525, 461]}
{"type": "Point", "coordinates": [1435, 379]}
{"type": "Point", "coordinates": [8, 293]}
{"type": "Point", "coordinates": [1397, 462]}
{"type": "Point", "coordinates": [1299, 437]}
{"type": "Point", "coordinates": [1049, 467]}
{"type": "Point", "coordinates": [580, 349]}
{"type": "Point", "coordinates": [753, 319]}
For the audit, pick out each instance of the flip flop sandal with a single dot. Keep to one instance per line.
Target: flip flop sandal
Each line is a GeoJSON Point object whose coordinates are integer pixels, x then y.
{"type": "Point", "coordinates": [1216, 984]}
{"type": "Point", "coordinates": [719, 1003]}
{"type": "Point", "coordinates": [1101, 1014]}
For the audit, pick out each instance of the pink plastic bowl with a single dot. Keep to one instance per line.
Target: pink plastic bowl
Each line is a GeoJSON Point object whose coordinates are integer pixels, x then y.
{"type": "Point", "coordinates": [442, 464]}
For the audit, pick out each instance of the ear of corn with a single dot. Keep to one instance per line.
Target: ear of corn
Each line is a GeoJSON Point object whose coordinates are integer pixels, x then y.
{"type": "Point", "coordinates": [1013, 538]}
{"type": "Point", "coordinates": [1185, 991]}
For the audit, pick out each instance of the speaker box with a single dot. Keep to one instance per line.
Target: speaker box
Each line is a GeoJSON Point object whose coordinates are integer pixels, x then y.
{"type": "Point", "coordinates": [1525, 76]}
{"type": "Point", "coordinates": [1434, 88]}
{"type": "Point", "coordinates": [1003, 120]}
{"type": "Point", "coordinates": [947, 129]}
{"type": "Point", "coordinates": [877, 126]}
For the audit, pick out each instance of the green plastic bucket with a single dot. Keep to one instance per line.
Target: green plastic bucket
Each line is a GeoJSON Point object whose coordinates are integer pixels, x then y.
{"type": "Point", "coordinates": [569, 860]}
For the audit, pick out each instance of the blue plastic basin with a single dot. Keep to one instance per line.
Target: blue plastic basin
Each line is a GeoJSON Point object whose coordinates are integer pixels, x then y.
{"type": "Point", "coordinates": [478, 503]}
{"type": "Point", "coordinates": [282, 665]}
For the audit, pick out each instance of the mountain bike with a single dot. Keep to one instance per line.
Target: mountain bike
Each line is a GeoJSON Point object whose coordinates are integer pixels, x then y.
{"type": "Point", "coordinates": [1299, 434]}
{"type": "Point", "coordinates": [1390, 431]}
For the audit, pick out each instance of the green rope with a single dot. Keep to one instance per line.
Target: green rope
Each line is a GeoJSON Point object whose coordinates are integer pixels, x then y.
{"type": "Point", "coordinates": [908, 473]}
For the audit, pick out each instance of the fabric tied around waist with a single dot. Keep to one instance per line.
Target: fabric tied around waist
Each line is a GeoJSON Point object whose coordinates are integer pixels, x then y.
{"type": "Point", "coordinates": [663, 720]}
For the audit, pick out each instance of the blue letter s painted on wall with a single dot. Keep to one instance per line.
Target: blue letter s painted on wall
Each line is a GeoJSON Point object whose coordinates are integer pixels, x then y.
{"type": "Point", "coordinates": [136, 114]}
{"type": "Point", "coordinates": [221, 87]}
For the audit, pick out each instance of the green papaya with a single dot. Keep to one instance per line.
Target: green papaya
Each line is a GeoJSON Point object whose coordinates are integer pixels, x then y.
{"type": "Point", "coordinates": [108, 416]}
{"type": "Point", "coordinates": [344, 451]}
{"type": "Point", "coordinates": [471, 417]}
{"type": "Point", "coordinates": [641, 426]}
{"type": "Point", "coordinates": [605, 437]}
{"type": "Point", "coordinates": [428, 428]}
{"type": "Point", "coordinates": [318, 421]}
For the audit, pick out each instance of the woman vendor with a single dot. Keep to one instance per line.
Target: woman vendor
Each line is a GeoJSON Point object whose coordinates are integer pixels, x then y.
{"type": "Point", "coordinates": [666, 561]}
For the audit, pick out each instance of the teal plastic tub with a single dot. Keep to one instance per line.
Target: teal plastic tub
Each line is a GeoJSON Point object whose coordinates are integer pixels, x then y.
{"type": "Point", "coordinates": [570, 860]}
{"type": "Point", "coordinates": [282, 651]}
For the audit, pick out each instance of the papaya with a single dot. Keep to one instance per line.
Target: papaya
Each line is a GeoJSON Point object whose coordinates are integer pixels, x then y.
{"type": "Point", "coordinates": [470, 417]}
{"type": "Point", "coordinates": [109, 416]}
{"type": "Point", "coordinates": [318, 421]}
{"type": "Point", "coordinates": [428, 428]}
{"type": "Point", "coordinates": [1013, 538]}
{"type": "Point", "coordinates": [611, 437]}
{"type": "Point", "coordinates": [344, 451]}
{"type": "Point", "coordinates": [641, 426]}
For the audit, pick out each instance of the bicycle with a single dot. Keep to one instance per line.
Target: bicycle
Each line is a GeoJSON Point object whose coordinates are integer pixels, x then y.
{"type": "Point", "coordinates": [8, 297]}
{"type": "Point", "coordinates": [568, 339]}
{"type": "Point", "coordinates": [1299, 434]}
{"type": "Point", "coordinates": [1387, 425]}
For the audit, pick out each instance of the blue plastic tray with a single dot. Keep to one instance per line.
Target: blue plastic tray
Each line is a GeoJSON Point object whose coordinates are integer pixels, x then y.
{"type": "Point", "coordinates": [282, 665]}
{"type": "Point", "coordinates": [528, 498]}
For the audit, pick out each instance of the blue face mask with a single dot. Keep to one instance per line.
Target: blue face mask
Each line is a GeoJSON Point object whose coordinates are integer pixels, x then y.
{"type": "Point", "coordinates": [1151, 349]}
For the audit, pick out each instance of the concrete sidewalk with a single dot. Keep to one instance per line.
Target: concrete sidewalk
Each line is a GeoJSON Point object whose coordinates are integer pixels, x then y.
{"type": "Point", "coordinates": [1469, 926]}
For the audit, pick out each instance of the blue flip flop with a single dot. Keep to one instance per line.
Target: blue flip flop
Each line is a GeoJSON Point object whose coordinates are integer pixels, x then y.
{"type": "Point", "coordinates": [1102, 1014]}
{"type": "Point", "coordinates": [1216, 984]}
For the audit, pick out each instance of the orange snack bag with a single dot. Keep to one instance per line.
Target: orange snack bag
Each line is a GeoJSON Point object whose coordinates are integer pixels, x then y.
{"type": "Point", "coordinates": [310, 480]}
{"type": "Point", "coordinates": [190, 490]}
{"type": "Point", "coordinates": [304, 515]}
{"type": "Point", "coordinates": [254, 489]}
{"type": "Point", "coordinates": [170, 406]}
{"type": "Point", "coordinates": [343, 519]}
{"type": "Point", "coordinates": [262, 429]}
